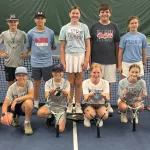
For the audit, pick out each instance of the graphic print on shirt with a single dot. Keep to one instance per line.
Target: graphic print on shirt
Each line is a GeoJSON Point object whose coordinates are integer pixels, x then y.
{"type": "Point", "coordinates": [74, 34]}
{"type": "Point", "coordinates": [41, 41]}
{"type": "Point", "coordinates": [104, 35]}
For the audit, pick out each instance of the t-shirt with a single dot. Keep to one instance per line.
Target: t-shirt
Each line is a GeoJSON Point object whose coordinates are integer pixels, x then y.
{"type": "Point", "coordinates": [88, 86]}
{"type": "Point", "coordinates": [50, 84]}
{"type": "Point", "coordinates": [75, 37]}
{"type": "Point", "coordinates": [103, 38]}
{"type": "Point", "coordinates": [14, 45]}
{"type": "Point", "coordinates": [134, 90]}
{"type": "Point", "coordinates": [14, 91]}
{"type": "Point", "coordinates": [40, 44]}
{"type": "Point", "coordinates": [132, 45]}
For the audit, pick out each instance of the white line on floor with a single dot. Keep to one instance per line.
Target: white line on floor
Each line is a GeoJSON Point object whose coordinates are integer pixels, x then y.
{"type": "Point", "coordinates": [75, 137]}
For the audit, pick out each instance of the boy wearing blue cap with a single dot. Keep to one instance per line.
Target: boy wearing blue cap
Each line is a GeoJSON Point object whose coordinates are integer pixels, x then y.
{"type": "Point", "coordinates": [51, 87]}
{"type": "Point", "coordinates": [18, 101]}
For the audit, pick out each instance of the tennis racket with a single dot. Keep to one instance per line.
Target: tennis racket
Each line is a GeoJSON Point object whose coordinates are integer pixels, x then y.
{"type": "Point", "coordinates": [96, 101]}
{"type": "Point", "coordinates": [57, 105]}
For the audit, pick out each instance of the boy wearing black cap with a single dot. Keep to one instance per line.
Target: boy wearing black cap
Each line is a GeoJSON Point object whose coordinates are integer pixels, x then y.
{"type": "Point", "coordinates": [41, 42]}
{"type": "Point", "coordinates": [13, 40]}
{"type": "Point", "coordinates": [51, 87]}
{"type": "Point", "coordinates": [18, 101]}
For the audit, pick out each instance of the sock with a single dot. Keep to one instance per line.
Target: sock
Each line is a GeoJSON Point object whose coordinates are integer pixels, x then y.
{"type": "Point", "coordinates": [25, 122]}
{"type": "Point", "coordinates": [49, 116]}
{"type": "Point", "coordinates": [36, 104]}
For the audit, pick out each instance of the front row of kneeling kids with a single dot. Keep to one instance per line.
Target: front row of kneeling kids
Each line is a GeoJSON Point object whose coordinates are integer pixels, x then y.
{"type": "Point", "coordinates": [19, 97]}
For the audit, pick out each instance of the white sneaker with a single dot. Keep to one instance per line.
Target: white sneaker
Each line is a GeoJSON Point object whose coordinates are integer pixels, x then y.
{"type": "Point", "coordinates": [136, 119]}
{"type": "Point", "coordinates": [124, 117]}
{"type": "Point", "coordinates": [70, 108]}
{"type": "Point", "coordinates": [100, 122]}
{"type": "Point", "coordinates": [78, 109]}
{"type": "Point", "coordinates": [87, 122]}
{"type": "Point", "coordinates": [110, 110]}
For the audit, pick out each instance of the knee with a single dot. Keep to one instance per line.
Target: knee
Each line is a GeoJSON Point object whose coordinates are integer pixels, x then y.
{"type": "Point", "coordinates": [89, 114]}
{"type": "Point", "coordinates": [40, 113]}
{"type": "Point", "coordinates": [123, 107]}
{"type": "Point", "coordinates": [61, 126]}
{"type": "Point", "coordinates": [28, 103]}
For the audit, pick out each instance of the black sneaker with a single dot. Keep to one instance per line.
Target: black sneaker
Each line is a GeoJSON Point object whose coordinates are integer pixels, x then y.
{"type": "Point", "coordinates": [50, 122]}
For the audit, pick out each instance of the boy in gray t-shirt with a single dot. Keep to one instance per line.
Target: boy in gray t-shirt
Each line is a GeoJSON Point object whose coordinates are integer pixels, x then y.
{"type": "Point", "coordinates": [18, 101]}
{"type": "Point", "coordinates": [13, 40]}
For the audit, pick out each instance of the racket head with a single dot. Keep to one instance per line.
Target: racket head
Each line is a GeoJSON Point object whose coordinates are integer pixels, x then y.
{"type": "Point", "coordinates": [75, 117]}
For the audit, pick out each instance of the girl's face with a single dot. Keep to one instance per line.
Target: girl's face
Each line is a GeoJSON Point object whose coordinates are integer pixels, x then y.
{"type": "Point", "coordinates": [133, 25]}
{"type": "Point", "coordinates": [134, 73]}
{"type": "Point", "coordinates": [21, 78]}
{"type": "Point", "coordinates": [74, 15]}
{"type": "Point", "coordinates": [104, 15]}
{"type": "Point", "coordinates": [96, 73]}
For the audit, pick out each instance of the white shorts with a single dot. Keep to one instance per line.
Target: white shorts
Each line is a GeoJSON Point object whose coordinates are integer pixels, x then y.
{"type": "Point", "coordinates": [109, 72]}
{"type": "Point", "coordinates": [74, 61]}
{"type": "Point", "coordinates": [125, 68]}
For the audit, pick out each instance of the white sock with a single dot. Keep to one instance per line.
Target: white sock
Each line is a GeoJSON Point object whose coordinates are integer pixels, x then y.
{"type": "Point", "coordinates": [36, 104]}
{"type": "Point", "coordinates": [49, 116]}
{"type": "Point", "coordinates": [25, 122]}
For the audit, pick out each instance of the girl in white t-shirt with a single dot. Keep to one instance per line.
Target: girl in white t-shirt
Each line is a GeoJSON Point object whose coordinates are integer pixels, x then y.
{"type": "Point", "coordinates": [89, 86]}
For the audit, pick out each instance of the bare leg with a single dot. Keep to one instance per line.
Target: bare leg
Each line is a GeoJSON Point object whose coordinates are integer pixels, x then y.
{"type": "Point", "coordinates": [37, 84]}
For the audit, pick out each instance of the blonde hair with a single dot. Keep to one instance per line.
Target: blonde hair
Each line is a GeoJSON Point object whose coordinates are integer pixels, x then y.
{"type": "Point", "coordinates": [95, 65]}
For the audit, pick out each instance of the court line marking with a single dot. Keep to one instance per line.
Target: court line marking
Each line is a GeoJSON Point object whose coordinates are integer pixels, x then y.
{"type": "Point", "coordinates": [75, 136]}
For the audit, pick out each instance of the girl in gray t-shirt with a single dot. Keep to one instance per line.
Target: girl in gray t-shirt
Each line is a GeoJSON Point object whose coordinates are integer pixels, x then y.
{"type": "Point", "coordinates": [131, 90]}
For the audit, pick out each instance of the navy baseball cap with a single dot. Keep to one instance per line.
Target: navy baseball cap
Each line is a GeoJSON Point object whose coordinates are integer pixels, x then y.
{"type": "Point", "coordinates": [57, 67]}
{"type": "Point", "coordinates": [39, 14]}
{"type": "Point", "coordinates": [21, 70]}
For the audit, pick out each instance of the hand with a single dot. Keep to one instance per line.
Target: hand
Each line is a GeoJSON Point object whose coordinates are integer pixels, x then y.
{"type": "Point", "coordinates": [124, 92]}
{"type": "Point", "coordinates": [7, 119]}
{"type": "Point", "coordinates": [144, 93]}
{"type": "Point", "coordinates": [119, 69]}
{"type": "Point", "coordinates": [52, 91]}
{"type": "Point", "coordinates": [23, 55]}
{"type": "Point", "coordinates": [64, 65]}
{"type": "Point", "coordinates": [84, 65]}
{"type": "Point", "coordinates": [4, 55]}
{"type": "Point", "coordinates": [65, 92]}
{"type": "Point", "coordinates": [13, 105]}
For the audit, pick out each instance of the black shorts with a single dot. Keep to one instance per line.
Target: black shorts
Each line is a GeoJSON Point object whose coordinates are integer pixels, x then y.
{"type": "Point", "coordinates": [17, 111]}
{"type": "Point", "coordinates": [94, 106]}
{"type": "Point", "coordinates": [45, 72]}
{"type": "Point", "coordinates": [10, 73]}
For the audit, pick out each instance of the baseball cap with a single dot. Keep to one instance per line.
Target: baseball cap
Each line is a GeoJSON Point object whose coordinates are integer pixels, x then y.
{"type": "Point", "coordinates": [39, 14]}
{"type": "Point", "coordinates": [57, 67]}
{"type": "Point", "coordinates": [21, 70]}
{"type": "Point", "coordinates": [12, 17]}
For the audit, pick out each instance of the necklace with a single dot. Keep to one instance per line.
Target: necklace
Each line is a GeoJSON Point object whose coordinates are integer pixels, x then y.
{"type": "Point", "coordinates": [13, 37]}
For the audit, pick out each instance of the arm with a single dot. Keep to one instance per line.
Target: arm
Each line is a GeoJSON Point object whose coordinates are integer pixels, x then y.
{"type": "Point", "coordinates": [120, 54]}
{"type": "Point", "coordinates": [26, 54]}
{"type": "Point", "coordinates": [144, 56]}
{"type": "Point", "coordinates": [87, 54]}
{"type": "Point", "coordinates": [117, 51]}
{"type": "Point", "coordinates": [62, 52]}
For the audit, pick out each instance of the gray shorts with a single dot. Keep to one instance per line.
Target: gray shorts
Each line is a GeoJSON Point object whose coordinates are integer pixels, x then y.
{"type": "Point", "coordinates": [45, 72]}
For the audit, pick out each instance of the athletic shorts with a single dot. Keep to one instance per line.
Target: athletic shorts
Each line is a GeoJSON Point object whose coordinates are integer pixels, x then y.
{"type": "Point", "coordinates": [84, 106]}
{"type": "Point", "coordinates": [125, 68]}
{"type": "Point", "coordinates": [17, 111]}
{"type": "Point", "coordinates": [45, 72]}
{"type": "Point", "coordinates": [10, 73]}
{"type": "Point", "coordinates": [63, 117]}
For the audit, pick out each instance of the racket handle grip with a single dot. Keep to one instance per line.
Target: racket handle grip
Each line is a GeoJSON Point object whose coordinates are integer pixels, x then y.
{"type": "Point", "coordinates": [98, 132]}
{"type": "Point", "coordinates": [57, 130]}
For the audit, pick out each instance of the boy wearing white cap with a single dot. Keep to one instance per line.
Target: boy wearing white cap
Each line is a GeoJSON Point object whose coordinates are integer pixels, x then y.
{"type": "Point", "coordinates": [18, 101]}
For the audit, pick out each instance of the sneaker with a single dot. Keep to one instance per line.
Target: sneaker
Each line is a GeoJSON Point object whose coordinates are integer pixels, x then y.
{"type": "Point", "coordinates": [50, 122]}
{"type": "Point", "coordinates": [70, 108]}
{"type": "Point", "coordinates": [78, 109]}
{"type": "Point", "coordinates": [15, 122]}
{"type": "Point", "coordinates": [87, 122]}
{"type": "Point", "coordinates": [27, 129]}
{"type": "Point", "coordinates": [35, 109]}
{"type": "Point", "coordinates": [99, 122]}
{"type": "Point", "coordinates": [110, 110]}
{"type": "Point", "coordinates": [136, 119]}
{"type": "Point", "coordinates": [124, 117]}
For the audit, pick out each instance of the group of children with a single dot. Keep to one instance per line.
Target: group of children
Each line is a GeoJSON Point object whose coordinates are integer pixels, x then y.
{"type": "Point", "coordinates": [100, 48]}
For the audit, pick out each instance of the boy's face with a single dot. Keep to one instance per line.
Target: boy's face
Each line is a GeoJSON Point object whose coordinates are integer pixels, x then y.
{"type": "Point", "coordinates": [104, 15]}
{"type": "Point", "coordinates": [40, 21]}
{"type": "Point", "coordinates": [13, 24]}
{"type": "Point", "coordinates": [21, 78]}
{"type": "Point", "coordinates": [57, 74]}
